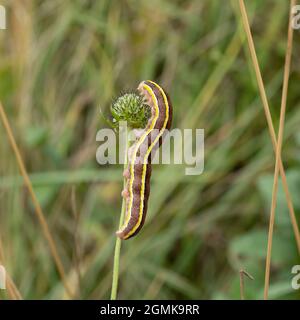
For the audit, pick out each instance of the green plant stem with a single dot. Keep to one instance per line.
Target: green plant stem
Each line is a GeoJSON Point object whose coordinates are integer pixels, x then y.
{"type": "Point", "coordinates": [116, 268]}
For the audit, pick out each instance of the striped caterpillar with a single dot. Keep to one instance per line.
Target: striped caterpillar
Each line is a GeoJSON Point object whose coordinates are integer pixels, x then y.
{"type": "Point", "coordinates": [138, 172]}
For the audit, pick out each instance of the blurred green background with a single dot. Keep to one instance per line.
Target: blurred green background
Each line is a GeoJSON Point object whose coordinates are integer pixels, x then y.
{"type": "Point", "coordinates": [61, 61]}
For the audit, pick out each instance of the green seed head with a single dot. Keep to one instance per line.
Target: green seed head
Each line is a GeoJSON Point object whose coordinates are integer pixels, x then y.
{"type": "Point", "coordinates": [131, 108]}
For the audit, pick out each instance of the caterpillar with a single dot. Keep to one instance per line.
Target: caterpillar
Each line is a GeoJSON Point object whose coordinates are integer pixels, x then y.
{"type": "Point", "coordinates": [138, 172]}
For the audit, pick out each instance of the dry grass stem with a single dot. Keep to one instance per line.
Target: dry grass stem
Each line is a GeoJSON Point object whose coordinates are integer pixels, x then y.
{"type": "Point", "coordinates": [38, 209]}
{"type": "Point", "coordinates": [288, 56]}
{"type": "Point", "coordinates": [276, 145]}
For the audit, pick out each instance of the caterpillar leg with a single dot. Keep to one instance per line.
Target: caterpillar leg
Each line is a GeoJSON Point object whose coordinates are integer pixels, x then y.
{"type": "Point", "coordinates": [125, 194]}
{"type": "Point", "coordinates": [126, 173]}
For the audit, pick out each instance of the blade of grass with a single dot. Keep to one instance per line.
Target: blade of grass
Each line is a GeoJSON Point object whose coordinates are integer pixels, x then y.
{"type": "Point", "coordinates": [38, 209]}
{"type": "Point", "coordinates": [244, 273]}
{"type": "Point", "coordinates": [76, 239]}
{"type": "Point", "coordinates": [214, 80]}
{"type": "Point", "coordinates": [287, 66]}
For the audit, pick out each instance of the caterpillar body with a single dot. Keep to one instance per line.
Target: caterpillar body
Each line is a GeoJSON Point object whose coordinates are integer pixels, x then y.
{"type": "Point", "coordinates": [138, 172]}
